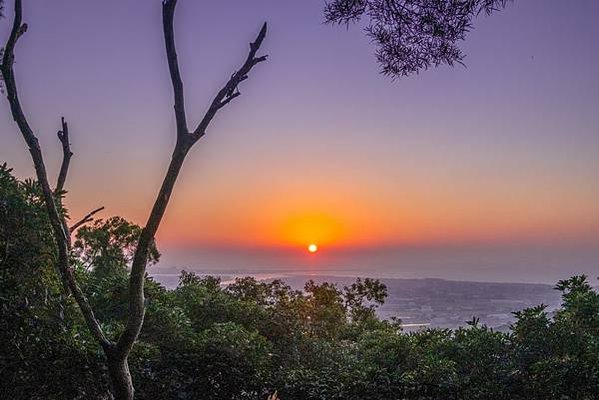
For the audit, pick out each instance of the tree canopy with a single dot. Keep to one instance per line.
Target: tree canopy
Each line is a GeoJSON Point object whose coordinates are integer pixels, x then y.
{"type": "Point", "coordinates": [413, 35]}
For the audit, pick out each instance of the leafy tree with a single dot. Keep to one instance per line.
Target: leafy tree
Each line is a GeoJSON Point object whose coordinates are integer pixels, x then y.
{"type": "Point", "coordinates": [557, 357]}
{"type": "Point", "coordinates": [105, 250]}
{"type": "Point", "coordinates": [44, 353]}
{"type": "Point", "coordinates": [108, 246]}
{"type": "Point", "coordinates": [413, 35]}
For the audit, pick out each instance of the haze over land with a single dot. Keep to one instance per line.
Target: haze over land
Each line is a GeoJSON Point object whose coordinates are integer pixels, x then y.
{"type": "Point", "coordinates": [527, 263]}
{"type": "Point", "coordinates": [481, 173]}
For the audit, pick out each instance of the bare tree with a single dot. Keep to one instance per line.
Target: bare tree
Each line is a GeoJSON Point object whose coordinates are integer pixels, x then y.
{"type": "Point", "coordinates": [117, 352]}
{"type": "Point", "coordinates": [413, 35]}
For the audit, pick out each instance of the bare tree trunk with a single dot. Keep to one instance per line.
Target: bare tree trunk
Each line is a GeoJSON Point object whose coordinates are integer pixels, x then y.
{"type": "Point", "coordinates": [120, 377]}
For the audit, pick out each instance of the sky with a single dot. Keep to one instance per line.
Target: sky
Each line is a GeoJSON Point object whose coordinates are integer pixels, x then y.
{"type": "Point", "coordinates": [483, 172]}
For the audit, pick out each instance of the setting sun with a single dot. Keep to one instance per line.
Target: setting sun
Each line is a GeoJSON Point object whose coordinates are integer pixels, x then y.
{"type": "Point", "coordinates": [312, 248]}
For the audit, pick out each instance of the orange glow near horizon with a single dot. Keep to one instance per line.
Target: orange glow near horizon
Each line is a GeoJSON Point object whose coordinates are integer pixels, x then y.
{"type": "Point", "coordinates": [324, 209]}
{"type": "Point", "coordinates": [311, 228]}
{"type": "Point", "coordinates": [349, 225]}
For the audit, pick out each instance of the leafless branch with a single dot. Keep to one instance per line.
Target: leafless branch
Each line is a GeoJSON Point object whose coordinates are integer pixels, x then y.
{"type": "Point", "coordinates": [66, 272]}
{"type": "Point", "coordinates": [168, 12]}
{"type": "Point", "coordinates": [230, 91]}
{"type": "Point", "coordinates": [88, 218]}
{"type": "Point", "coordinates": [63, 136]}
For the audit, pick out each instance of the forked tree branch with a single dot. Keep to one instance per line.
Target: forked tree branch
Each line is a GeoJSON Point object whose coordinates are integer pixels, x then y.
{"type": "Point", "coordinates": [63, 136]}
{"type": "Point", "coordinates": [88, 218]}
{"type": "Point", "coordinates": [185, 140]}
{"type": "Point", "coordinates": [58, 227]}
{"type": "Point", "coordinates": [230, 91]}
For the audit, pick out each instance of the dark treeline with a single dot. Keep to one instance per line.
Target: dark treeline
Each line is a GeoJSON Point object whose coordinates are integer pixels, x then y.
{"type": "Point", "coordinates": [250, 339]}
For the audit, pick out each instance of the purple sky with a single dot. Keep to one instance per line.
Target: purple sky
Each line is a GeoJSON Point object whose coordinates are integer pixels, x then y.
{"type": "Point", "coordinates": [502, 153]}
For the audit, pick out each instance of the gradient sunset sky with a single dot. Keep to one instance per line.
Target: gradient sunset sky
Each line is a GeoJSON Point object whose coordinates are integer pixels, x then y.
{"type": "Point", "coordinates": [498, 158]}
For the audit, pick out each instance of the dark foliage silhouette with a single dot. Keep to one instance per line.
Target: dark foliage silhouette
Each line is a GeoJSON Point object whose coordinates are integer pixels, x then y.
{"type": "Point", "coordinates": [413, 35]}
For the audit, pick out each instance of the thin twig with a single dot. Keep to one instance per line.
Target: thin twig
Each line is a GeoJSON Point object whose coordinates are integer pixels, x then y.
{"type": "Point", "coordinates": [230, 90]}
{"type": "Point", "coordinates": [88, 218]}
